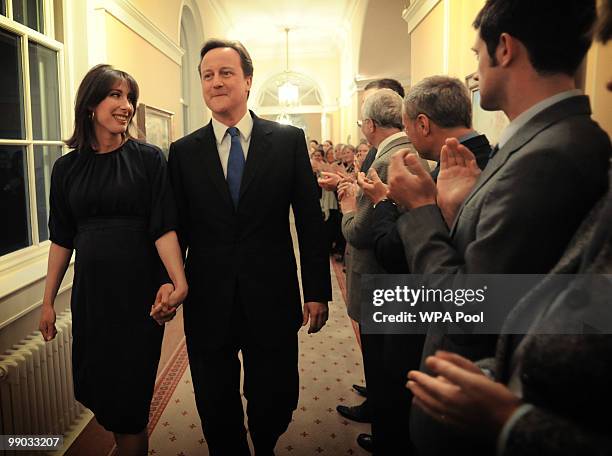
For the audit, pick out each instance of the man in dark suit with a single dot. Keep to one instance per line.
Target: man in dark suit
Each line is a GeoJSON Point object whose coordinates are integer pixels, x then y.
{"type": "Point", "coordinates": [235, 181]}
{"type": "Point", "coordinates": [528, 54]}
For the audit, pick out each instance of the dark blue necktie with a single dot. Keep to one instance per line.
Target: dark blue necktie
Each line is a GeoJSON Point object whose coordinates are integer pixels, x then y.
{"type": "Point", "coordinates": [235, 165]}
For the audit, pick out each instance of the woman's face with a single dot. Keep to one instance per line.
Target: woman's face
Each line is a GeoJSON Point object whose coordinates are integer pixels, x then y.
{"type": "Point", "coordinates": [329, 156]}
{"type": "Point", "coordinates": [113, 114]}
{"type": "Point", "coordinates": [362, 150]}
{"type": "Point", "coordinates": [317, 156]}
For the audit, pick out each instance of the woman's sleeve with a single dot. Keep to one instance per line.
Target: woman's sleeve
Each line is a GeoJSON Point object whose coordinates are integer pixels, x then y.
{"type": "Point", "coordinates": [163, 216]}
{"type": "Point", "coordinates": [62, 225]}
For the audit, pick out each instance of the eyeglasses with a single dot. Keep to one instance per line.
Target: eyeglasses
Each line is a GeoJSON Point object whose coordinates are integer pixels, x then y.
{"type": "Point", "coordinates": [361, 122]}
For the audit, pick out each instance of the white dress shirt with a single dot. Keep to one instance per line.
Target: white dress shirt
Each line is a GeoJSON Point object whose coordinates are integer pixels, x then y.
{"type": "Point", "coordinates": [224, 141]}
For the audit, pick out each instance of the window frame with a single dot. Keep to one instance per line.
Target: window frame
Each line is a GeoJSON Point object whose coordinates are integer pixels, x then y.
{"type": "Point", "coordinates": [11, 263]}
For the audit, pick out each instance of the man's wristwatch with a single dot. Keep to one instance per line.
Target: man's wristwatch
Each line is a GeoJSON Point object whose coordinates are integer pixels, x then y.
{"type": "Point", "coordinates": [382, 200]}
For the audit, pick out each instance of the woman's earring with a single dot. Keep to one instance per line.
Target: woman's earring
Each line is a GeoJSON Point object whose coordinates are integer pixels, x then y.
{"type": "Point", "coordinates": [92, 115]}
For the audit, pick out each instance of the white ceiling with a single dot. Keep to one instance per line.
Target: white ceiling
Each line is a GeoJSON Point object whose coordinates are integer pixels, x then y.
{"type": "Point", "coordinates": [318, 27]}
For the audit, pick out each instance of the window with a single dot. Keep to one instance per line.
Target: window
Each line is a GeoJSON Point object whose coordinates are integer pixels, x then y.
{"type": "Point", "coordinates": [31, 126]}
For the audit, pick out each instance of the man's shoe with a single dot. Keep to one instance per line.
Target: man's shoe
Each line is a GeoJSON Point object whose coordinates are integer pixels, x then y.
{"type": "Point", "coordinates": [361, 390]}
{"type": "Point", "coordinates": [365, 442]}
{"type": "Point", "coordinates": [359, 413]}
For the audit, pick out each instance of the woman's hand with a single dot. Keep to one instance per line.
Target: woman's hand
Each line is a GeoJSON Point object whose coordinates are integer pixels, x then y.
{"type": "Point", "coordinates": [161, 310]}
{"type": "Point", "coordinates": [47, 322]}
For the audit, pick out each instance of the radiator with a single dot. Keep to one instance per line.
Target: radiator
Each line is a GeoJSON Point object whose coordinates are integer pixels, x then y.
{"type": "Point", "coordinates": [36, 394]}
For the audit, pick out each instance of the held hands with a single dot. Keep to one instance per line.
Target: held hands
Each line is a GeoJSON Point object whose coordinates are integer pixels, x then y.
{"type": "Point", "coordinates": [375, 189]}
{"type": "Point", "coordinates": [317, 313]}
{"type": "Point", "coordinates": [410, 185]}
{"type": "Point", "coordinates": [166, 302]}
{"type": "Point", "coordinates": [462, 396]}
{"type": "Point", "coordinates": [458, 174]}
{"type": "Point", "coordinates": [46, 326]}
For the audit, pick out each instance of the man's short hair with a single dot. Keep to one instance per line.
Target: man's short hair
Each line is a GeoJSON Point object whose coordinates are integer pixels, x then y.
{"type": "Point", "coordinates": [604, 25]}
{"type": "Point", "coordinates": [386, 84]}
{"type": "Point", "coordinates": [556, 33]}
{"type": "Point", "coordinates": [443, 99]}
{"type": "Point", "coordinates": [384, 107]}
{"type": "Point", "coordinates": [245, 59]}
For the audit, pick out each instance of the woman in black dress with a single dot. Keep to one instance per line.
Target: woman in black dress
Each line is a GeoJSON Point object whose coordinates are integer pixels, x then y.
{"type": "Point", "coordinates": [112, 203]}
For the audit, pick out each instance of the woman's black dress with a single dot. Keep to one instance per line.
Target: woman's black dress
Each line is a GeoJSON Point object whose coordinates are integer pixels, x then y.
{"type": "Point", "coordinates": [111, 208]}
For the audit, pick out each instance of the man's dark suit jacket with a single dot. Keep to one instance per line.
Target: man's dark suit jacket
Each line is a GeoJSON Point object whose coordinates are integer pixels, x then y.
{"type": "Point", "coordinates": [387, 242]}
{"type": "Point", "coordinates": [245, 256]}
{"type": "Point", "coordinates": [520, 216]}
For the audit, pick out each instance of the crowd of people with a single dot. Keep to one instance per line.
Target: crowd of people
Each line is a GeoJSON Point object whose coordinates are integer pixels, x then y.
{"type": "Point", "coordinates": [423, 193]}
{"type": "Point", "coordinates": [468, 216]}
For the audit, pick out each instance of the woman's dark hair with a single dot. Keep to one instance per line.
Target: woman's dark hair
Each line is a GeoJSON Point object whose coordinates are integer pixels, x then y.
{"type": "Point", "coordinates": [95, 87]}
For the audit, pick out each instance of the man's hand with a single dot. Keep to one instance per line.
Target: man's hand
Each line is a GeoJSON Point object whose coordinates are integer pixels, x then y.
{"type": "Point", "coordinates": [461, 395]}
{"type": "Point", "coordinates": [164, 308]}
{"type": "Point", "coordinates": [46, 326]}
{"type": "Point", "coordinates": [375, 189]}
{"type": "Point", "coordinates": [329, 181]}
{"type": "Point", "coordinates": [410, 185]}
{"type": "Point", "coordinates": [347, 193]}
{"type": "Point", "coordinates": [458, 174]}
{"type": "Point", "coordinates": [317, 313]}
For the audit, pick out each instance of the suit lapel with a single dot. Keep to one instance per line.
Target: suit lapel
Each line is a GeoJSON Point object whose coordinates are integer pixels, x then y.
{"type": "Point", "coordinates": [259, 149]}
{"type": "Point", "coordinates": [557, 112]}
{"type": "Point", "coordinates": [211, 162]}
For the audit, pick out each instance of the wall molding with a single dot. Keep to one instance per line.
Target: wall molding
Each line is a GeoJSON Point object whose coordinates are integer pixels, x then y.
{"type": "Point", "coordinates": [126, 13]}
{"type": "Point", "coordinates": [417, 11]}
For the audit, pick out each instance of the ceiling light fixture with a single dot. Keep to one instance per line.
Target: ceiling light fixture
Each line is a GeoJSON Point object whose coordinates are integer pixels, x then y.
{"type": "Point", "coordinates": [288, 93]}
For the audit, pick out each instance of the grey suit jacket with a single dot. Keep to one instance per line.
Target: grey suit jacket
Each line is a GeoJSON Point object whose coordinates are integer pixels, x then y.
{"type": "Point", "coordinates": [519, 217]}
{"type": "Point", "coordinates": [565, 377]}
{"type": "Point", "coordinates": [357, 230]}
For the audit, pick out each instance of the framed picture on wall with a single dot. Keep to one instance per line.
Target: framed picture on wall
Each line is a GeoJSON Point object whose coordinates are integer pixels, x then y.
{"type": "Point", "coordinates": [490, 123]}
{"type": "Point", "coordinates": [154, 126]}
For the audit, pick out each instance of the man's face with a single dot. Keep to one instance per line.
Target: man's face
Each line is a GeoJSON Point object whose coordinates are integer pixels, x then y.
{"type": "Point", "coordinates": [489, 77]}
{"type": "Point", "coordinates": [224, 85]}
{"type": "Point", "coordinates": [416, 136]}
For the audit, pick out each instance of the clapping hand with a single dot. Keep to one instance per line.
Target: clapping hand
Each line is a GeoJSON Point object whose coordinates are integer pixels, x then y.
{"type": "Point", "coordinates": [329, 180]}
{"type": "Point", "coordinates": [375, 189]}
{"type": "Point", "coordinates": [410, 185]}
{"type": "Point", "coordinates": [347, 193]}
{"type": "Point", "coordinates": [461, 395]}
{"type": "Point", "coordinates": [458, 174]}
